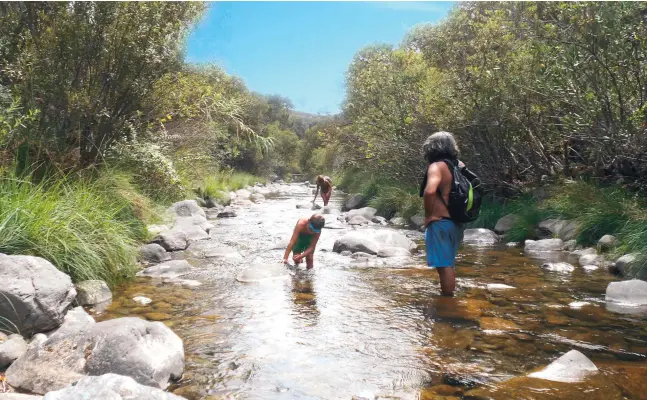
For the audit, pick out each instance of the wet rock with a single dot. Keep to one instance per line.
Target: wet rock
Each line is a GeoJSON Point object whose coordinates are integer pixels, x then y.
{"type": "Point", "coordinates": [607, 242]}
{"type": "Point", "coordinates": [257, 198]}
{"type": "Point", "coordinates": [498, 286]}
{"type": "Point", "coordinates": [558, 267]}
{"type": "Point", "coordinates": [570, 245]}
{"type": "Point", "coordinates": [172, 240]}
{"type": "Point", "coordinates": [358, 220]}
{"type": "Point", "coordinates": [207, 227]}
{"type": "Point", "coordinates": [186, 208]}
{"type": "Point", "coordinates": [153, 253]}
{"type": "Point", "coordinates": [223, 252]}
{"type": "Point", "coordinates": [631, 293]}
{"type": "Point", "coordinates": [184, 282]}
{"type": "Point", "coordinates": [14, 347]}
{"type": "Point", "coordinates": [361, 254]}
{"type": "Point", "coordinates": [625, 262]}
{"type": "Point", "coordinates": [157, 316]}
{"type": "Point", "coordinates": [148, 352]}
{"type": "Point", "coordinates": [34, 295]}
{"type": "Point", "coordinates": [366, 212]}
{"type": "Point", "coordinates": [228, 212]}
{"type": "Point", "coordinates": [263, 272]}
{"type": "Point", "coordinates": [544, 245]}
{"type": "Point", "coordinates": [583, 252]}
{"type": "Point", "coordinates": [154, 230]}
{"type": "Point", "coordinates": [379, 220]}
{"type": "Point", "coordinates": [497, 324]}
{"type": "Point", "coordinates": [195, 232]}
{"type": "Point", "coordinates": [355, 201]}
{"type": "Point", "coordinates": [142, 300]}
{"type": "Point", "coordinates": [417, 220]}
{"type": "Point", "coordinates": [591, 259]}
{"type": "Point", "coordinates": [109, 386]}
{"type": "Point", "coordinates": [346, 253]}
{"type": "Point", "coordinates": [571, 367]}
{"type": "Point", "coordinates": [398, 221]}
{"type": "Point", "coordinates": [480, 237]}
{"type": "Point", "coordinates": [89, 293]}
{"type": "Point", "coordinates": [590, 268]}
{"type": "Point", "coordinates": [559, 228]}
{"type": "Point", "coordinates": [393, 252]}
{"type": "Point", "coordinates": [506, 223]}
{"type": "Point", "coordinates": [170, 269]}
{"type": "Point", "coordinates": [371, 242]}
{"type": "Point", "coordinates": [512, 244]}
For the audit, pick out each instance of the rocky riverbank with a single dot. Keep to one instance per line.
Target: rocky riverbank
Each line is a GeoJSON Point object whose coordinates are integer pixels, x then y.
{"type": "Point", "coordinates": [60, 343]}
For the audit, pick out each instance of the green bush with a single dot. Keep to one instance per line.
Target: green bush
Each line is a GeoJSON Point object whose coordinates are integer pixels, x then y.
{"type": "Point", "coordinates": [86, 229]}
{"type": "Point", "coordinates": [224, 181]}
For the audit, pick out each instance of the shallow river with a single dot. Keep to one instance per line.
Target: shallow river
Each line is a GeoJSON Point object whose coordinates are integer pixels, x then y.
{"type": "Point", "coordinates": [342, 331]}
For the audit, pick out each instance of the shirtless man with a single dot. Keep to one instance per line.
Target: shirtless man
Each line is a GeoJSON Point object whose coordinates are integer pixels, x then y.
{"type": "Point", "coordinates": [326, 189]}
{"type": "Point", "coordinates": [442, 235]}
{"type": "Point", "coordinates": [304, 240]}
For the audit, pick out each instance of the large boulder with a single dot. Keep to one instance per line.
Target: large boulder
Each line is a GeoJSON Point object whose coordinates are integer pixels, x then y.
{"type": "Point", "coordinates": [544, 245]}
{"type": "Point", "coordinates": [355, 201]}
{"type": "Point", "coordinates": [625, 262]}
{"type": "Point", "coordinates": [170, 269]}
{"type": "Point", "coordinates": [34, 295]}
{"type": "Point", "coordinates": [393, 252]}
{"type": "Point", "coordinates": [571, 367]}
{"type": "Point", "coordinates": [92, 292]}
{"type": "Point", "coordinates": [371, 242]}
{"type": "Point", "coordinates": [365, 212]}
{"type": "Point", "coordinates": [558, 228]}
{"type": "Point", "coordinates": [172, 240]}
{"type": "Point", "coordinates": [607, 242]}
{"type": "Point", "coordinates": [186, 208]}
{"type": "Point", "coordinates": [504, 224]}
{"type": "Point", "coordinates": [109, 386]}
{"type": "Point", "coordinates": [480, 237]}
{"type": "Point", "coordinates": [153, 253]}
{"type": "Point", "coordinates": [11, 349]}
{"type": "Point", "coordinates": [148, 352]}
{"type": "Point", "coordinates": [629, 293]}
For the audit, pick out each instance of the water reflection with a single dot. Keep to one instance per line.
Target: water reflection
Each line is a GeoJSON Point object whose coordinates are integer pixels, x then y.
{"type": "Point", "coordinates": [304, 297]}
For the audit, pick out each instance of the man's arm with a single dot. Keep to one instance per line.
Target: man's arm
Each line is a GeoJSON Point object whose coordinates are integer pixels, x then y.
{"type": "Point", "coordinates": [311, 248]}
{"type": "Point", "coordinates": [293, 241]}
{"type": "Point", "coordinates": [433, 181]}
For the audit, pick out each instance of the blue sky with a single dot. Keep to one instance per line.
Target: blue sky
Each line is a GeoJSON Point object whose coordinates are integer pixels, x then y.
{"type": "Point", "coordinates": [301, 50]}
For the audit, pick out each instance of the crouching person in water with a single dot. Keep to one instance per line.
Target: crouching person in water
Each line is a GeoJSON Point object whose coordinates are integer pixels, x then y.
{"type": "Point", "coordinates": [443, 236]}
{"type": "Point", "coordinates": [304, 240]}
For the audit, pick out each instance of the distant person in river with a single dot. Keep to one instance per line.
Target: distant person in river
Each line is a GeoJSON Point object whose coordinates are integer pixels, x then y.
{"type": "Point", "coordinates": [325, 183]}
{"type": "Point", "coordinates": [304, 240]}
{"type": "Point", "coordinates": [443, 236]}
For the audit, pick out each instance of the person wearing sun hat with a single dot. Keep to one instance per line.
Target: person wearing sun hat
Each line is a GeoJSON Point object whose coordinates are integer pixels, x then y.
{"type": "Point", "coordinates": [304, 240]}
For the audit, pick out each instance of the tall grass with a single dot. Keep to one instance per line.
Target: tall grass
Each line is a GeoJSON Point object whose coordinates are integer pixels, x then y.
{"type": "Point", "coordinates": [214, 184]}
{"type": "Point", "coordinates": [88, 228]}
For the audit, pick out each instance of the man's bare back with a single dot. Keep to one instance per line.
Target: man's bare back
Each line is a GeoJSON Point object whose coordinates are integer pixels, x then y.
{"type": "Point", "coordinates": [439, 179]}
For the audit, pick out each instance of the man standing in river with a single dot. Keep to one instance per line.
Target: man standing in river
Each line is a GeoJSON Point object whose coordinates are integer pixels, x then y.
{"type": "Point", "coordinates": [325, 183]}
{"type": "Point", "coordinates": [442, 235]}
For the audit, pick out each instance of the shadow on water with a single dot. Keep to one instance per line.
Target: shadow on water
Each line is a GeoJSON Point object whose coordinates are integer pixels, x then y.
{"type": "Point", "coordinates": [344, 330]}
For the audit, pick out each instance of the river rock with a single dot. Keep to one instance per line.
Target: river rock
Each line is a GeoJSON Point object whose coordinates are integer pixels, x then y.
{"type": "Point", "coordinates": [155, 230]}
{"type": "Point", "coordinates": [366, 212]}
{"type": "Point", "coordinates": [109, 386]}
{"type": "Point", "coordinates": [330, 210]}
{"type": "Point", "coordinates": [355, 201]}
{"type": "Point", "coordinates": [571, 367]}
{"type": "Point", "coordinates": [558, 267]}
{"type": "Point", "coordinates": [148, 352]}
{"type": "Point", "coordinates": [559, 228]}
{"type": "Point", "coordinates": [506, 223]}
{"type": "Point", "coordinates": [629, 293]}
{"type": "Point", "coordinates": [544, 245]}
{"type": "Point", "coordinates": [570, 245]}
{"type": "Point", "coordinates": [372, 242]}
{"type": "Point", "coordinates": [153, 253]}
{"type": "Point", "coordinates": [480, 237]}
{"type": "Point", "coordinates": [34, 295]}
{"type": "Point", "coordinates": [210, 203]}
{"type": "Point", "coordinates": [75, 320]}
{"type": "Point", "coordinates": [169, 269]}
{"type": "Point", "coordinates": [358, 220]}
{"type": "Point", "coordinates": [195, 232]}
{"type": "Point", "coordinates": [257, 198]}
{"type": "Point", "coordinates": [607, 242]}
{"type": "Point", "coordinates": [625, 262]}
{"type": "Point", "coordinates": [417, 220]}
{"type": "Point", "coordinates": [590, 268]}
{"type": "Point", "coordinates": [89, 293]}
{"type": "Point", "coordinates": [172, 240]}
{"type": "Point", "coordinates": [346, 253]}
{"type": "Point", "coordinates": [223, 252]}
{"type": "Point", "coordinates": [142, 300]}
{"type": "Point", "coordinates": [393, 252]}
{"type": "Point", "coordinates": [263, 272]}
{"type": "Point", "coordinates": [243, 194]}
{"type": "Point", "coordinates": [582, 252]}
{"type": "Point", "coordinates": [379, 220]}
{"type": "Point", "coordinates": [398, 221]}
{"type": "Point", "coordinates": [498, 286]}
{"type": "Point", "coordinates": [228, 212]}
{"type": "Point", "coordinates": [186, 208]}
{"type": "Point", "coordinates": [591, 259]}
{"type": "Point", "coordinates": [14, 347]}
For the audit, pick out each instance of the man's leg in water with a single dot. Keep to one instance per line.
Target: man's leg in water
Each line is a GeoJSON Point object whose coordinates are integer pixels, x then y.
{"type": "Point", "coordinates": [310, 258]}
{"type": "Point", "coordinates": [447, 280]}
{"type": "Point", "coordinates": [325, 197]}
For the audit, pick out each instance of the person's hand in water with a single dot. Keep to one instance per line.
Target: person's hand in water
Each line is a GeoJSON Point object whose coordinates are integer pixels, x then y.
{"type": "Point", "coordinates": [297, 259]}
{"type": "Point", "coordinates": [285, 261]}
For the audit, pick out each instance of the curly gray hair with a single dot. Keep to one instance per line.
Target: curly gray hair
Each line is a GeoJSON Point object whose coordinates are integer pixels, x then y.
{"type": "Point", "coordinates": [440, 145]}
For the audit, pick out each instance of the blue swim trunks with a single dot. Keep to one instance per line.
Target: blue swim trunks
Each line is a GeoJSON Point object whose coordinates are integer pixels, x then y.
{"type": "Point", "coordinates": [442, 239]}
